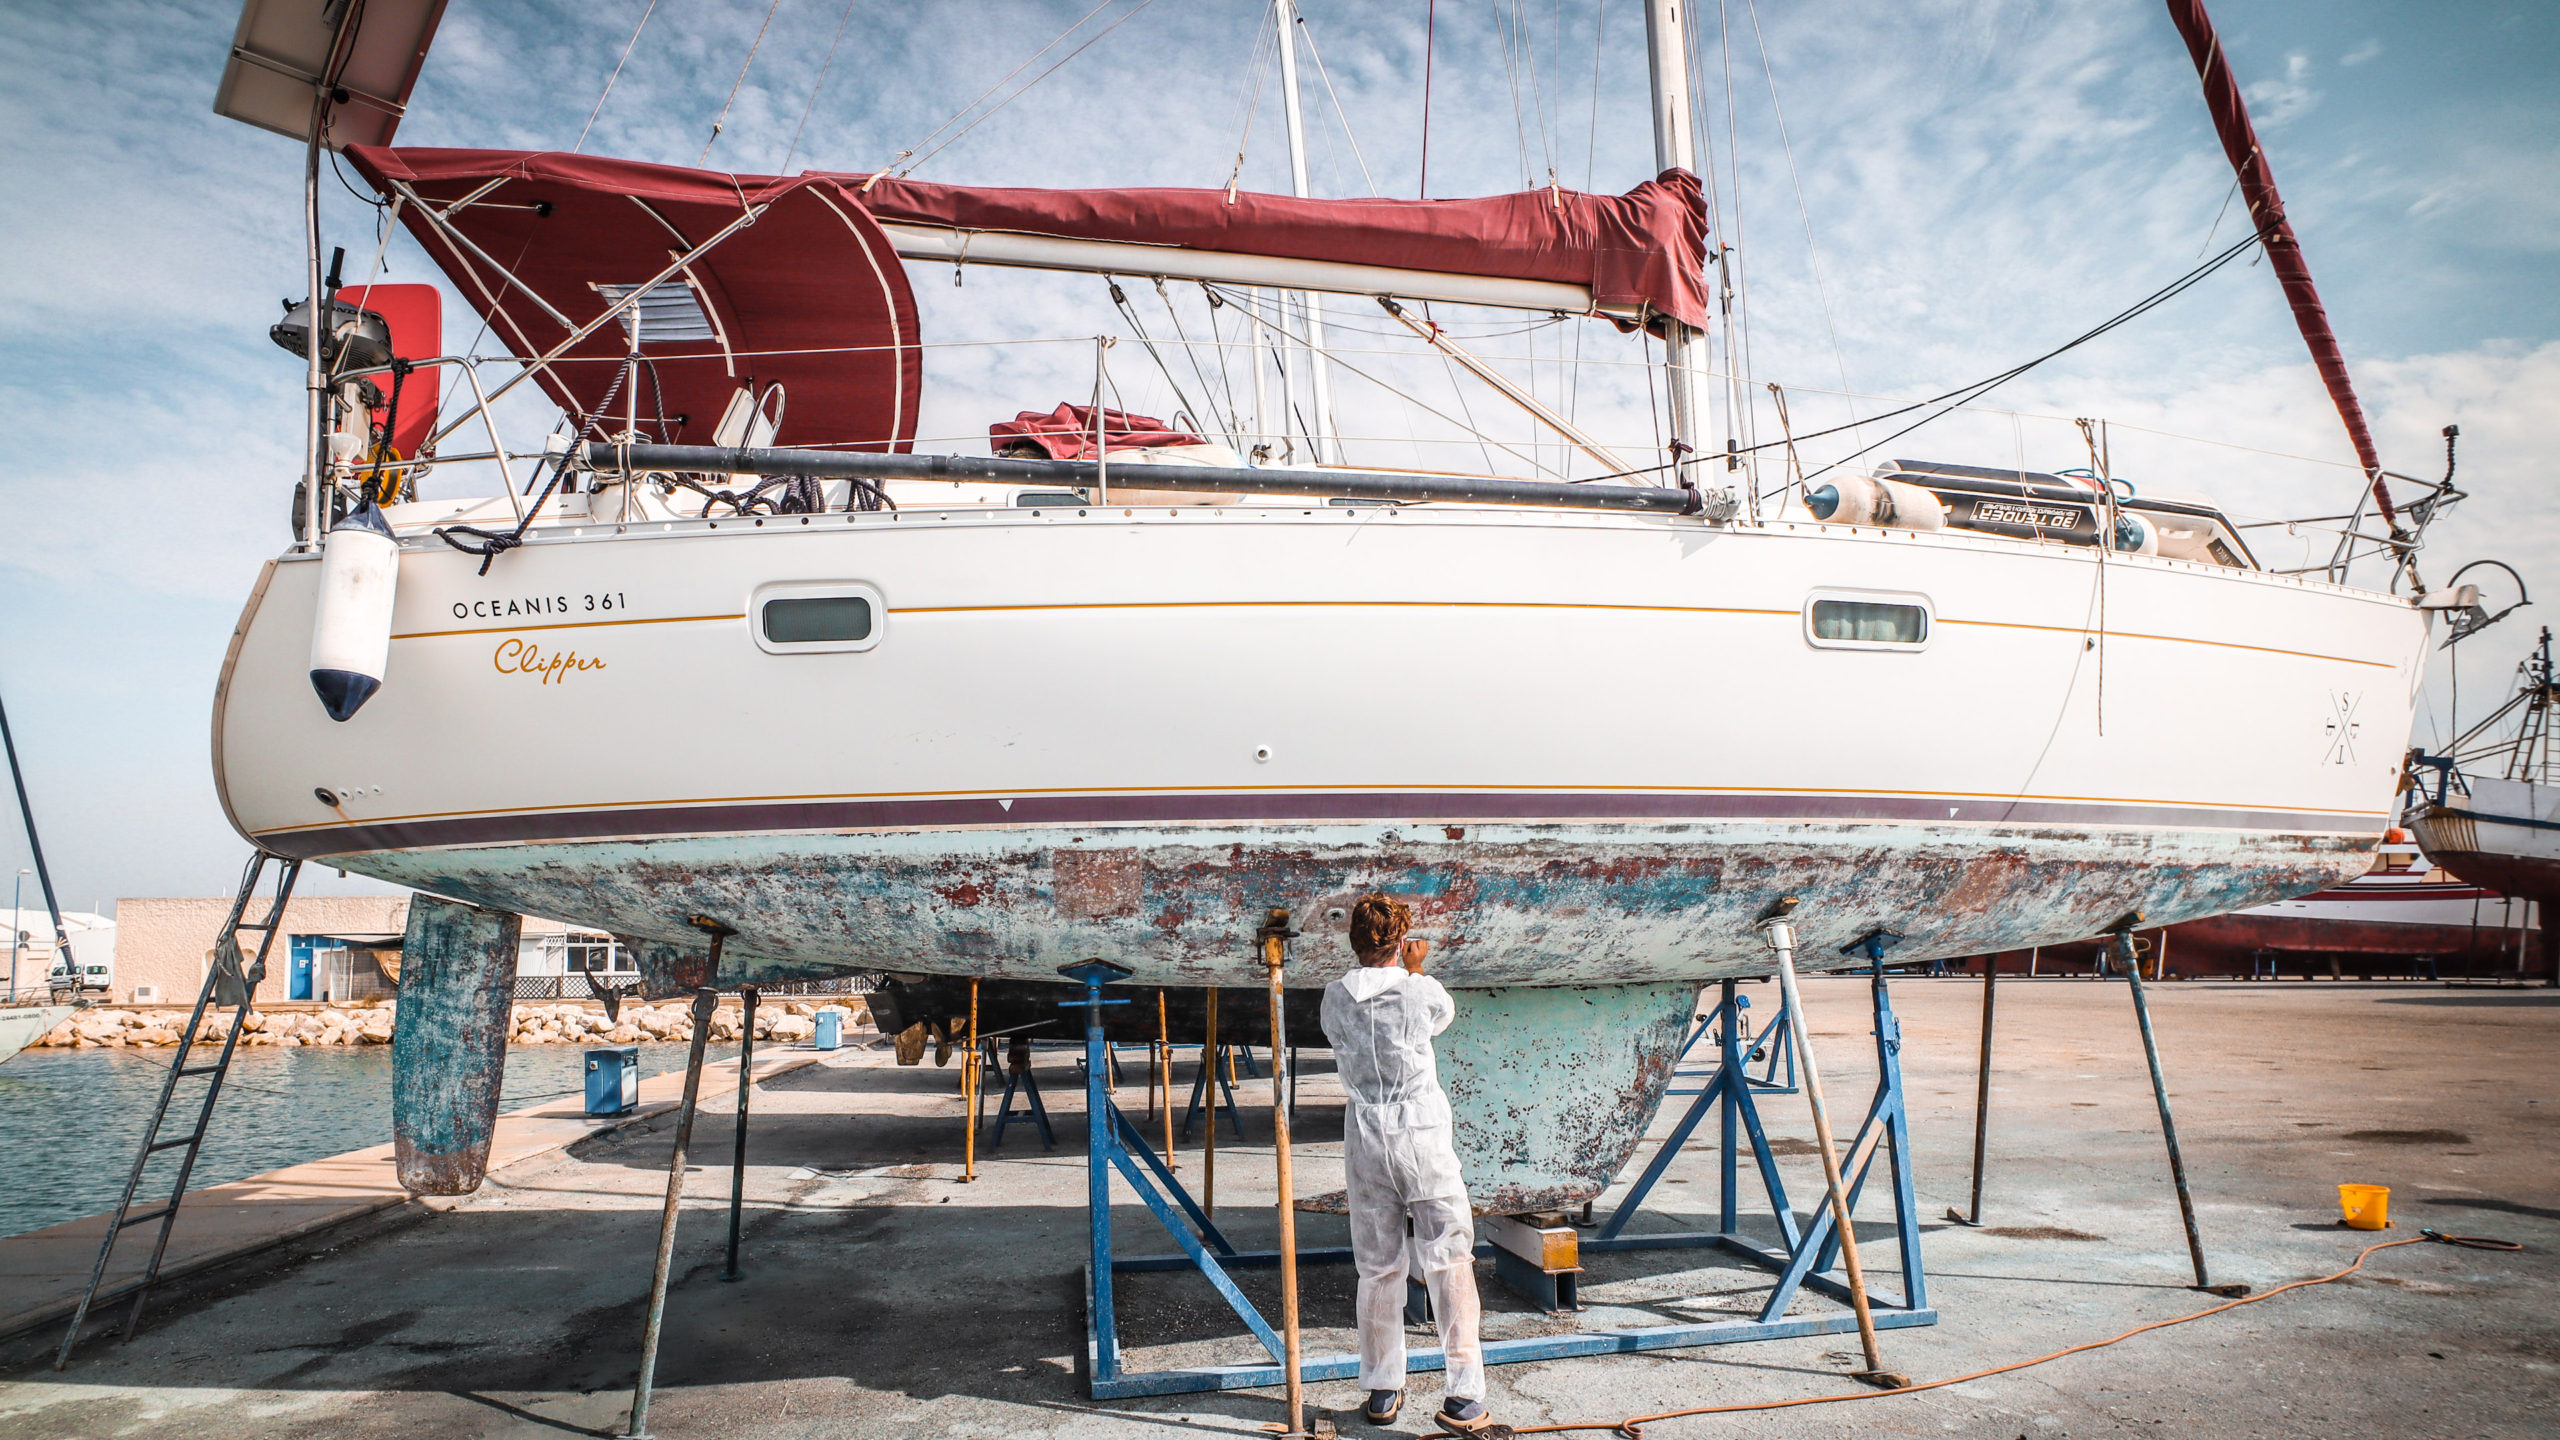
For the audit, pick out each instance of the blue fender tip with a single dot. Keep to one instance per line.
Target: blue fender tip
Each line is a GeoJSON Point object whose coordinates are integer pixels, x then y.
{"type": "Point", "coordinates": [343, 692]}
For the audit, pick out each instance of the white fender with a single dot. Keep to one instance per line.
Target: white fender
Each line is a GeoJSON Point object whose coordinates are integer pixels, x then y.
{"type": "Point", "coordinates": [2136, 534]}
{"type": "Point", "coordinates": [351, 630]}
{"type": "Point", "coordinates": [1860, 500]}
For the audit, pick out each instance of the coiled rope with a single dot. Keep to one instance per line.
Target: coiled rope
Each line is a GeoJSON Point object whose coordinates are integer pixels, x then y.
{"type": "Point", "coordinates": [490, 544]}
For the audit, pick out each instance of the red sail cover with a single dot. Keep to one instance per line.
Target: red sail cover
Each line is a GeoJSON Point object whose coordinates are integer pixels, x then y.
{"type": "Point", "coordinates": [2266, 208]}
{"type": "Point", "coordinates": [813, 296]}
{"type": "Point", "coordinates": [1646, 249]}
{"type": "Point", "coordinates": [810, 296]}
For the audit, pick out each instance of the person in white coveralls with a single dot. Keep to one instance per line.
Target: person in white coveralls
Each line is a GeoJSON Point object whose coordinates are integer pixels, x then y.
{"type": "Point", "coordinates": [1399, 1155]}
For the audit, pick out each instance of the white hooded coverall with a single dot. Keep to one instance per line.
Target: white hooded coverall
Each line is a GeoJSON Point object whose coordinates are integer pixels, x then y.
{"type": "Point", "coordinates": [1399, 1157]}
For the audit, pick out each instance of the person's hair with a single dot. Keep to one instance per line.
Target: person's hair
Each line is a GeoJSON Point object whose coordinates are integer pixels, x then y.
{"type": "Point", "coordinates": [1378, 923]}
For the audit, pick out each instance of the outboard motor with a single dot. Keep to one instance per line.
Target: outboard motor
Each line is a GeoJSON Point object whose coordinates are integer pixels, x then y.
{"type": "Point", "coordinates": [355, 340]}
{"type": "Point", "coordinates": [351, 626]}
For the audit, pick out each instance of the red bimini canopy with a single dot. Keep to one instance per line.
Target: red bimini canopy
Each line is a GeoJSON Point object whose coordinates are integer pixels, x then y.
{"type": "Point", "coordinates": [809, 296]}
{"type": "Point", "coordinates": [1644, 251]}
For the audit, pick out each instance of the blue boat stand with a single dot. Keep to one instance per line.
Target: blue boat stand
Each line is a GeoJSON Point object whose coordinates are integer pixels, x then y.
{"type": "Point", "coordinates": [1773, 1050]}
{"type": "Point", "coordinates": [1015, 1079]}
{"type": "Point", "coordinates": [1803, 1260]}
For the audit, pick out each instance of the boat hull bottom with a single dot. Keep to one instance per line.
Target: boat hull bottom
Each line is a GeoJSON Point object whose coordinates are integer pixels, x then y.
{"type": "Point", "coordinates": [1503, 905]}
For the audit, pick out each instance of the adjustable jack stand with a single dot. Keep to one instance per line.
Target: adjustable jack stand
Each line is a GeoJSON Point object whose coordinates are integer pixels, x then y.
{"type": "Point", "coordinates": [2120, 937]}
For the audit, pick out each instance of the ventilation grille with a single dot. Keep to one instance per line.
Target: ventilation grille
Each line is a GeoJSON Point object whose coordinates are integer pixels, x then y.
{"type": "Point", "coordinates": [669, 311]}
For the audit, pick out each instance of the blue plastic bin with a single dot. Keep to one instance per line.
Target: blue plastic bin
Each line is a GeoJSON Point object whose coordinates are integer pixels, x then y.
{"type": "Point", "coordinates": [830, 1029]}
{"type": "Point", "coordinates": [613, 1080]}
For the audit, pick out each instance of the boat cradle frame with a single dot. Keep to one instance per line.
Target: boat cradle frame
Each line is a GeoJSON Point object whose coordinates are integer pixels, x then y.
{"type": "Point", "coordinates": [1804, 1259]}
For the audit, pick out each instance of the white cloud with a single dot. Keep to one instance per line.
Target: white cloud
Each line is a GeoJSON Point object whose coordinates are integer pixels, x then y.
{"type": "Point", "coordinates": [2275, 102]}
{"type": "Point", "coordinates": [2366, 51]}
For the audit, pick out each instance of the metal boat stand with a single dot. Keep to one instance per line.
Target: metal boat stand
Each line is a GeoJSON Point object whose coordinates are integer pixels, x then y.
{"type": "Point", "coordinates": [2120, 937]}
{"type": "Point", "coordinates": [706, 1002]}
{"type": "Point", "coordinates": [1018, 1078]}
{"type": "Point", "coordinates": [1773, 1050]}
{"type": "Point", "coordinates": [1803, 1260]}
{"type": "Point", "coordinates": [1217, 1066]}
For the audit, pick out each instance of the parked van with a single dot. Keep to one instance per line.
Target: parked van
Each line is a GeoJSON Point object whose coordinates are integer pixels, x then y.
{"type": "Point", "coordinates": [95, 975]}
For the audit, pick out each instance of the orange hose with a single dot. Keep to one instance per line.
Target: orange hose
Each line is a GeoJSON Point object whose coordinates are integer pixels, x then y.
{"type": "Point", "coordinates": [1633, 1426]}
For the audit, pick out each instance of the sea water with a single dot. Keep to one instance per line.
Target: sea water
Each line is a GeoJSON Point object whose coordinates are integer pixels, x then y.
{"type": "Point", "coordinates": [71, 1119]}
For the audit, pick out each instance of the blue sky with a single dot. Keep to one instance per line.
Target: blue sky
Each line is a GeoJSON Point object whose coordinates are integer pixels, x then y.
{"type": "Point", "coordinates": [1979, 180]}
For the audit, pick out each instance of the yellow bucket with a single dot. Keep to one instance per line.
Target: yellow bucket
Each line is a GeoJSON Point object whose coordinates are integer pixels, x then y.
{"type": "Point", "coordinates": [2366, 1207]}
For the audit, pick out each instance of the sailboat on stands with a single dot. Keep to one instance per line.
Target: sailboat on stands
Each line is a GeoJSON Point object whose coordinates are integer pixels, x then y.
{"type": "Point", "coordinates": [733, 672]}
{"type": "Point", "coordinates": [2491, 807]}
{"type": "Point", "coordinates": [2404, 916]}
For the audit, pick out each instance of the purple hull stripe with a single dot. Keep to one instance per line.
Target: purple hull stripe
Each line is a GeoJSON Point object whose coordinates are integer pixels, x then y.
{"type": "Point", "coordinates": [1301, 808]}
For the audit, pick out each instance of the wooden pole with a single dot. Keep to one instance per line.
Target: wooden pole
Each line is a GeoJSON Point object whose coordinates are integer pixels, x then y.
{"type": "Point", "coordinates": [970, 1085]}
{"type": "Point", "coordinates": [1782, 939]}
{"type": "Point", "coordinates": [1275, 954]}
{"type": "Point", "coordinates": [1164, 1076]}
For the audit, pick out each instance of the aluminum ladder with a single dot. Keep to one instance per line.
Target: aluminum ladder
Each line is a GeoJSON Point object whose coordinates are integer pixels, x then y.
{"type": "Point", "coordinates": [226, 982]}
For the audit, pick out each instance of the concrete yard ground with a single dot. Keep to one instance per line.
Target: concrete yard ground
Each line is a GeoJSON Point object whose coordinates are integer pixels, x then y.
{"type": "Point", "coordinates": [883, 1298]}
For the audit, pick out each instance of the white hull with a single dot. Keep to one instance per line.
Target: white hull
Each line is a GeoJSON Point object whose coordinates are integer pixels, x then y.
{"type": "Point", "coordinates": [1591, 747]}
{"type": "Point", "coordinates": [24, 1025]}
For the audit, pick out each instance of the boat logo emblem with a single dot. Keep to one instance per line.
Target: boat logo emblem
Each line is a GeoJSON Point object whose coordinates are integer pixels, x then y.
{"type": "Point", "coordinates": [2342, 728]}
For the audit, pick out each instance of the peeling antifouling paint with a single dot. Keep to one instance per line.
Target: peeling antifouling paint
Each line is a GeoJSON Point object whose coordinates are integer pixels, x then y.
{"type": "Point", "coordinates": [449, 1043]}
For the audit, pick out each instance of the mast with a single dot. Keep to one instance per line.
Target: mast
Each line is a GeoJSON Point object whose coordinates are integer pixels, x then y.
{"type": "Point", "coordinates": [2284, 253]}
{"type": "Point", "coordinates": [1284, 14]}
{"type": "Point", "coordinates": [1674, 148]}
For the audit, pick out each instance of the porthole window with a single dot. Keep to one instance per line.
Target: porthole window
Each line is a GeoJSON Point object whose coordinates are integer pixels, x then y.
{"type": "Point", "coordinates": [815, 617]}
{"type": "Point", "coordinates": [1858, 620]}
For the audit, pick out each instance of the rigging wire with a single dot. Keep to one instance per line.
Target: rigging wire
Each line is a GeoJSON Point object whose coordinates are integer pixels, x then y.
{"type": "Point", "coordinates": [1339, 114]}
{"type": "Point", "coordinates": [737, 84]}
{"type": "Point", "coordinates": [1537, 92]}
{"type": "Point", "coordinates": [1511, 72]}
{"type": "Point", "coordinates": [954, 119]}
{"type": "Point", "coordinates": [616, 75]}
{"type": "Point", "coordinates": [1813, 254]}
{"type": "Point", "coordinates": [1966, 394]}
{"type": "Point", "coordinates": [1120, 299]}
{"type": "Point", "coordinates": [794, 152]}
{"type": "Point", "coordinates": [1250, 102]}
{"type": "Point", "coordinates": [1591, 136]}
{"type": "Point", "coordinates": [1280, 329]}
{"type": "Point", "coordinates": [1191, 353]}
{"type": "Point", "coordinates": [990, 111]}
{"type": "Point", "coordinates": [1744, 412]}
{"type": "Point", "coordinates": [1430, 31]}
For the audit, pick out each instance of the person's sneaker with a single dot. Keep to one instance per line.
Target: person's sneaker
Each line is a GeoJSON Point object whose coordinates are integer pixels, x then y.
{"type": "Point", "coordinates": [1382, 1406]}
